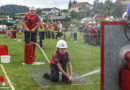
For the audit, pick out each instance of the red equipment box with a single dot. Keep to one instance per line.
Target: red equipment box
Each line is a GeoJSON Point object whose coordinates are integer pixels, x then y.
{"type": "Point", "coordinates": [3, 50]}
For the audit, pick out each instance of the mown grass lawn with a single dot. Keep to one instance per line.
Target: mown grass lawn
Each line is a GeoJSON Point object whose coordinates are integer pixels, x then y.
{"type": "Point", "coordinates": [84, 58]}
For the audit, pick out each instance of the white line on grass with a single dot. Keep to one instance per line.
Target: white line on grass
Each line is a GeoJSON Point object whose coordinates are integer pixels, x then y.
{"type": "Point", "coordinates": [12, 87]}
{"type": "Point", "coordinates": [87, 74]}
{"type": "Point", "coordinates": [4, 87]}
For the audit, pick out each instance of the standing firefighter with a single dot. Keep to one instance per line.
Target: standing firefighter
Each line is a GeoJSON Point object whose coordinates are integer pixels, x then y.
{"type": "Point", "coordinates": [31, 22]}
{"type": "Point", "coordinates": [85, 32]}
{"type": "Point", "coordinates": [59, 60]}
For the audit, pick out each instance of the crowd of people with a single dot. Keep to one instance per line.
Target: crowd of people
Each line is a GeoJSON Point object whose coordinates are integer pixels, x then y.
{"type": "Point", "coordinates": [51, 30]}
{"type": "Point", "coordinates": [56, 29]}
{"type": "Point", "coordinates": [91, 32]}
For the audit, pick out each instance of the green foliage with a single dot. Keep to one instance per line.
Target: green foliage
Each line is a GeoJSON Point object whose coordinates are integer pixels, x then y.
{"type": "Point", "coordinates": [77, 22]}
{"type": "Point", "coordinates": [19, 14]}
{"type": "Point", "coordinates": [108, 8]}
{"type": "Point", "coordinates": [39, 11]}
{"type": "Point", "coordinates": [2, 12]}
{"type": "Point", "coordinates": [13, 9]}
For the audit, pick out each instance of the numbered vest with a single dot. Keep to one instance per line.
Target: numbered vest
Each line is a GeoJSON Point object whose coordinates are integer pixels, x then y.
{"type": "Point", "coordinates": [31, 21]}
{"type": "Point", "coordinates": [59, 57]}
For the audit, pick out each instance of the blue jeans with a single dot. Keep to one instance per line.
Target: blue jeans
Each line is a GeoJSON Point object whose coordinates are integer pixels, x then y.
{"type": "Point", "coordinates": [71, 36]}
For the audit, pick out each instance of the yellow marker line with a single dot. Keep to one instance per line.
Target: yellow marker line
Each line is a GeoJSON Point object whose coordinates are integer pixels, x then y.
{"type": "Point", "coordinates": [12, 87]}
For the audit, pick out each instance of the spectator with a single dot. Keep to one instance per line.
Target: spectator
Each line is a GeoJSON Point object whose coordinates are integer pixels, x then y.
{"type": "Point", "coordinates": [71, 33]}
{"type": "Point", "coordinates": [97, 25]}
{"type": "Point", "coordinates": [85, 32]}
{"type": "Point", "coordinates": [59, 26]}
{"type": "Point", "coordinates": [75, 30]}
{"type": "Point", "coordinates": [81, 27]}
{"type": "Point", "coordinates": [52, 31]}
{"type": "Point", "coordinates": [49, 30]}
{"type": "Point", "coordinates": [41, 30]}
{"type": "Point", "coordinates": [64, 32]}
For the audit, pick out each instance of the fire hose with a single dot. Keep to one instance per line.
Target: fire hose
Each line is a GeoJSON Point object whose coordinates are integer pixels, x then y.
{"type": "Point", "coordinates": [42, 51]}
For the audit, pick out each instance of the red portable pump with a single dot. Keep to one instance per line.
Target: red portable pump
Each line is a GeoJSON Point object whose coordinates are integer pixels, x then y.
{"type": "Point", "coordinates": [3, 50]}
{"type": "Point", "coordinates": [125, 73]}
{"type": "Point", "coordinates": [29, 58]}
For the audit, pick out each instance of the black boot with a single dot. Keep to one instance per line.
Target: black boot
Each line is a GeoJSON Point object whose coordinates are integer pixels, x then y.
{"type": "Point", "coordinates": [47, 76]}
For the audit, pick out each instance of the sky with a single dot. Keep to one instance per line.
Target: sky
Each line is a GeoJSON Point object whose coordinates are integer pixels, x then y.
{"type": "Point", "coordinates": [61, 4]}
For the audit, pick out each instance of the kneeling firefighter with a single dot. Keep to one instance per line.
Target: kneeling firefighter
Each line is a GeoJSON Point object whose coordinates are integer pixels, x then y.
{"type": "Point", "coordinates": [60, 59]}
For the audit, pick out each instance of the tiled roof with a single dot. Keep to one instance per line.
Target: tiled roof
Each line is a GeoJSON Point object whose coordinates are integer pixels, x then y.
{"type": "Point", "coordinates": [79, 4]}
{"type": "Point", "coordinates": [48, 9]}
{"type": "Point", "coordinates": [118, 0]}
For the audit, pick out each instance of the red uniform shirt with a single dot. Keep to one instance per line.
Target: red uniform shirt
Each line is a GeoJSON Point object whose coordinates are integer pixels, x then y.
{"type": "Point", "coordinates": [56, 57]}
{"type": "Point", "coordinates": [93, 32]}
{"type": "Point", "coordinates": [55, 27]}
{"type": "Point", "coordinates": [31, 21]}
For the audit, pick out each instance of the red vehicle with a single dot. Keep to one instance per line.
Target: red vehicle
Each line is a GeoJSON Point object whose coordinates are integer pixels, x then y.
{"type": "Point", "coordinates": [99, 16]}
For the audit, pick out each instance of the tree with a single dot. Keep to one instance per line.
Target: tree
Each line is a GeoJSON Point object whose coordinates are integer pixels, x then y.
{"type": "Point", "coordinates": [108, 6]}
{"type": "Point", "coordinates": [2, 12]}
{"type": "Point", "coordinates": [13, 9]}
{"type": "Point", "coordinates": [39, 11]}
{"type": "Point", "coordinates": [97, 7]}
{"type": "Point", "coordinates": [85, 11]}
{"type": "Point", "coordinates": [118, 10]}
{"type": "Point", "coordinates": [70, 3]}
{"type": "Point", "coordinates": [74, 2]}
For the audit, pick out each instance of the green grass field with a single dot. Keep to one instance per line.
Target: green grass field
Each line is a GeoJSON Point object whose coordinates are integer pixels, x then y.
{"type": "Point", "coordinates": [85, 58]}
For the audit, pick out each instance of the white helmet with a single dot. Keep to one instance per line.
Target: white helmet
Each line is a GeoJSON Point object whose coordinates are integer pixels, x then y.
{"type": "Point", "coordinates": [32, 8]}
{"type": "Point", "coordinates": [94, 22]}
{"type": "Point", "coordinates": [90, 22]}
{"type": "Point", "coordinates": [61, 44]}
{"type": "Point", "coordinates": [107, 19]}
{"type": "Point", "coordinates": [82, 22]}
{"type": "Point", "coordinates": [124, 16]}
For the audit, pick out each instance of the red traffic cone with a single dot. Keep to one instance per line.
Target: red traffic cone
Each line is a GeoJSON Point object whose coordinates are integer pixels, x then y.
{"type": "Point", "coordinates": [2, 79]}
{"type": "Point", "coordinates": [3, 84]}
